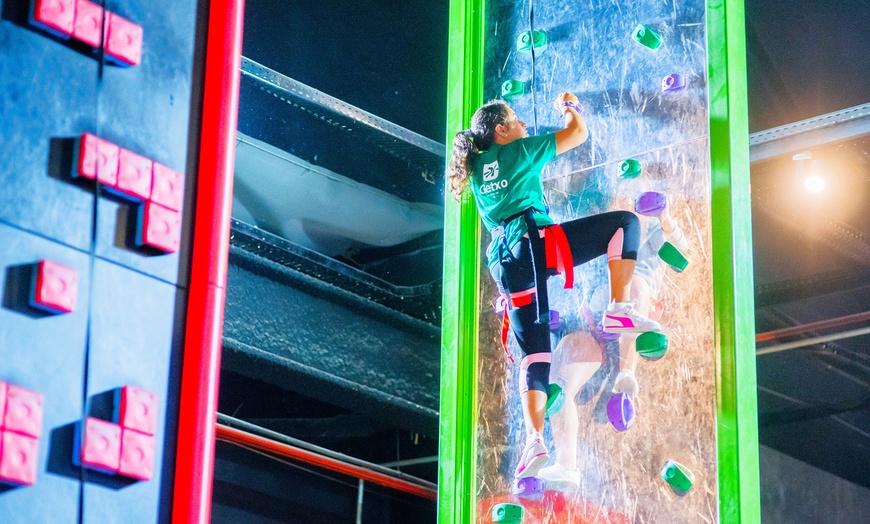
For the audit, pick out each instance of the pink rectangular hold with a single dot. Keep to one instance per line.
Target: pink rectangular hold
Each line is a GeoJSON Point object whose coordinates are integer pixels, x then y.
{"type": "Point", "coordinates": [137, 455]}
{"type": "Point", "coordinates": [159, 227]}
{"type": "Point", "coordinates": [55, 287]}
{"type": "Point", "coordinates": [23, 411]}
{"type": "Point", "coordinates": [3, 387]}
{"type": "Point", "coordinates": [137, 409]}
{"type": "Point", "coordinates": [97, 159]}
{"type": "Point", "coordinates": [168, 187]}
{"type": "Point", "coordinates": [99, 445]}
{"type": "Point", "coordinates": [18, 459]}
{"type": "Point", "coordinates": [55, 16]}
{"type": "Point", "coordinates": [88, 23]}
{"type": "Point", "coordinates": [123, 41]}
{"type": "Point", "coordinates": [134, 176]}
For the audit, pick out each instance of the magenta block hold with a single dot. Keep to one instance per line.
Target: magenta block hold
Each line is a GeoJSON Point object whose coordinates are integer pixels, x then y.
{"type": "Point", "coordinates": [136, 409]}
{"type": "Point", "coordinates": [98, 445]}
{"type": "Point", "coordinates": [168, 187]}
{"type": "Point", "coordinates": [159, 227]}
{"type": "Point", "coordinates": [123, 41]}
{"type": "Point", "coordinates": [54, 287]}
{"type": "Point", "coordinates": [18, 459]}
{"type": "Point", "coordinates": [134, 176]}
{"type": "Point", "coordinates": [55, 16]}
{"type": "Point", "coordinates": [137, 455]}
{"type": "Point", "coordinates": [88, 24]}
{"type": "Point", "coordinates": [23, 411]}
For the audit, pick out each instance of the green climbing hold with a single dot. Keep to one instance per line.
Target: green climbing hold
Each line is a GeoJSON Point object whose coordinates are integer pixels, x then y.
{"type": "Point", "coordinates": [630, 168]}
{"type": "Point", "coordinates": [507, 513]}
{"type": "Point", "coordinates": [524, 41]}
{"type": "Point", "coordinates": [512, 88]}
{"type": "Point", "coordinates": [555, 399]}
{"type": "Point", "coordinates": [651, 345]}
{"type": "Point", "coordinates": [673, 257]}
{"type": "Point", "coordinates": [647, 37]}
{"type": "Point", "coordinates": [677, 476]}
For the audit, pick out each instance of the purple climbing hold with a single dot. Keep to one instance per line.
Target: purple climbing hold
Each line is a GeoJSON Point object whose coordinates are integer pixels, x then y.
{"type": "Point", "coordinates": [528, 488]}
{"type": "Point", "coordinates": [650, 203]}
{"type": "Point", "coordinates": [620, 411]}
{"type": "Point", "coordinates": [605, 336]}
{"type": "Point", "coordinates": [675, 83]}
{"type": "Point", "coordinates": [555, 321]}
{"type": "Point", "coordinates": [500, 305]}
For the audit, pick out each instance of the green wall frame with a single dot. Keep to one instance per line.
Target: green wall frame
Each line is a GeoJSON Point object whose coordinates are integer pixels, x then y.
{"type": "Point", "coordinates": [737, 425]}
{"type": "Point", "coordinates": [733, 300]}
{"type": "Point", "coordinates": [457, 460]}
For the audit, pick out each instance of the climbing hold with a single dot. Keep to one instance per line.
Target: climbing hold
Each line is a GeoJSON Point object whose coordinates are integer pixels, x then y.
{"type": "Point", "coordinates": [555, 399]}
{"type": "Point", "coordinates": [650, 203]}
{"type": "Point", "coordinates": [524, 41]}
{"type": "Point", "coordinates": [620, 411]}
{"type": "Point", "coordinates": [675, 83]}
{"type": "Point", "coordinates": [652, 345]}
{"type": "Point", "coordinates": [673, 257]}
{"type": "Point", "coordinates": [647, 37]}
{"type": "Point", "coordinates": [678, 477]}
{"type": "Point", "coordinates": [555, 321]}
{"type": "Point", "coordinates": [500, 305]}
{"type": "Point", "coordinates": [528, 488]}
{"type": "Point", "coordinates": [630, 168]}
{"type": "Point", "coordinates": [507, 513]}
{"type": "Point", "coordinates": [512, 88]}
{"type": "Point", "coordinates": [605, 336]}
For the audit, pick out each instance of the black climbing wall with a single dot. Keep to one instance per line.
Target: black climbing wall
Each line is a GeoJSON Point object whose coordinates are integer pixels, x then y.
{"type": "Point", "coordinates": [127, 324]}
{"type": "Point", "coordinates": [591, 52]}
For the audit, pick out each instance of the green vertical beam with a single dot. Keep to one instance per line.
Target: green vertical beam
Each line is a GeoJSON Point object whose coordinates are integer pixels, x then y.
{"type": "Point", "coordinates": [457, 464]}
{"type": "Point", "coordinates": [737, 419]}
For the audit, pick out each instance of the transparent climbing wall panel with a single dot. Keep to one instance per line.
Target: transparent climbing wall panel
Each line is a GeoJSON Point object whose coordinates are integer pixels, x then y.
{"type": "Point", "coordinates": [590, 51]}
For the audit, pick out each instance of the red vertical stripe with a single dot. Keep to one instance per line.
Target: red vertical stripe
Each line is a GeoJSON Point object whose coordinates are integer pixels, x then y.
{"type": "Point", "coordinates": [194, 467]}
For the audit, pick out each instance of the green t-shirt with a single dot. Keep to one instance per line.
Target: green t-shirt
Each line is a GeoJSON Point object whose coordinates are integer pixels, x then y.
{"type": "Point", "coordinates": [506, 180]}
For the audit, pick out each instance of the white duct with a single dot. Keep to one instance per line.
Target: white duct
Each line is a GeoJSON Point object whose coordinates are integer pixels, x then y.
{"type": "Point", "coordinates": [318, 209]}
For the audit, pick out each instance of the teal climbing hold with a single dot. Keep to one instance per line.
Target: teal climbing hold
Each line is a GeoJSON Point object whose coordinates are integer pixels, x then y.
{"type": "Point", "coordinates": [507, 513]}
{"type": "Point", "coordinates": [647, 37]}
{"type": "Point", "coordinates": [512, 88]}
{"type": "Point", "coordinates": [651, 345]}
{"type": "Point", "coordinates": [672, 256]}
{"type": "Point", "coordinates": [677, 476]}
{"type": "Point", "coordinates": [630, 168]}
{"type": "Point", "coordinates": [555, 399]}
{"type": "Point", "coordinates": [524, 41]}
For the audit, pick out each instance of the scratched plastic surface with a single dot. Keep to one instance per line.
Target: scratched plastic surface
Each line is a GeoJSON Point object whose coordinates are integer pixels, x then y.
{"type": "Point", "coordinates": [591, 53]}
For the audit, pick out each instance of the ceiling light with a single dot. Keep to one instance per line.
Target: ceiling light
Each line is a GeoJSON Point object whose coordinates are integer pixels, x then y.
{"type": "Point", "coordinates": [814, 184]}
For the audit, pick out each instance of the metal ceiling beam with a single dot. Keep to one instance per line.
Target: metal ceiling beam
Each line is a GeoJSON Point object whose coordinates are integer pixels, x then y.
{"type": "Point", "coordinates": [799, 136]}
{"type": "Point", "coordinates": [812, 341]}
{"type": "Point", "coordinates": [812, 326]}
{"type": "Point", "coordinates": [810, 286]}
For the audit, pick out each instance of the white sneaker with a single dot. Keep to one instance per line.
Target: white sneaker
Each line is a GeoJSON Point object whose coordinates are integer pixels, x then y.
{"type": "Point", "coordinates": [561, 474]}
{"type": "Point", "coordinates": [621, 317]}
{"type": "Point", "coordinates": [533, 458]}
{"type": "Point", "coordinates": [626, 382]}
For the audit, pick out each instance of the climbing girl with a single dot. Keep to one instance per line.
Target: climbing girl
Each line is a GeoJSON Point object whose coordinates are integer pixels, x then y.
{"type": "Point", "coordinates": [502, 164]}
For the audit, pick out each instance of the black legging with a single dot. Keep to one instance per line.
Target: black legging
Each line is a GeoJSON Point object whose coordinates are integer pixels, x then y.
{"type": "Point", "coordinates": [588, 238]}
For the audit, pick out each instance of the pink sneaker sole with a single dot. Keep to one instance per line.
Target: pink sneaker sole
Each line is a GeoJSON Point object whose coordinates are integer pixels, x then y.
{"type": "Point", "coordinates": [533, 466]}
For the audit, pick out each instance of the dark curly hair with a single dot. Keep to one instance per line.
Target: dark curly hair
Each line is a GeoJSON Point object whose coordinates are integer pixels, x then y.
{"type": "Point", "coordinates": [467, 144]}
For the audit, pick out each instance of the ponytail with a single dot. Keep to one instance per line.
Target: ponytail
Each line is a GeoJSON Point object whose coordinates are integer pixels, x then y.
{"type": "Point", "coordinates": [467, 144]}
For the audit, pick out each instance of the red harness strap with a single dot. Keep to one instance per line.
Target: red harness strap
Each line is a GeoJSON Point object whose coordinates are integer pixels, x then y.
{"type": "Point", "coordinates": [559, 253]}
{"type": "Point", "coordinates": [518, 299]}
